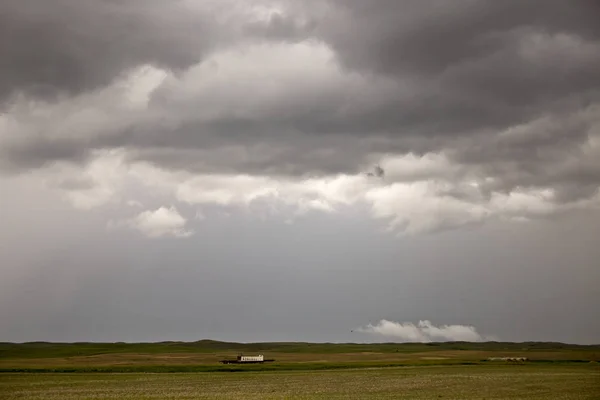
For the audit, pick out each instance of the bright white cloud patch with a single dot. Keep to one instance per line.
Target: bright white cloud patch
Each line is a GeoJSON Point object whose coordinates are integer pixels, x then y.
{"type": "Point", "coordinates": [160, 223]}
{"type": "Point", "coordinates": [423, 207]}
{"type": "Point", "coordinates": [424, 331]}
{"type": "Point", "coordinates": [269, 72]}
{"type": "Point", "coordinates": [102, 181]}
{"type": "Point", "coordinates": [416, 195]}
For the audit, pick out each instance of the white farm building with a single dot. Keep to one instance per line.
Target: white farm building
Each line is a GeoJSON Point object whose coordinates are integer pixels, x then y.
{"type": "Point", "coordinates": [259, 358]}
{"type": "Point", "coordinates": [242, 359]}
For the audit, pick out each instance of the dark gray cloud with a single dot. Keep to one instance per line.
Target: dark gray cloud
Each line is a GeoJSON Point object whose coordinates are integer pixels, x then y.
{"type": "Point", "coordinates": [70, 46]}
{"type": "Point", "coordinates": [428, 37]}
{"type": "Point", "coordinates": [485, 66]}
{"type": "Point", "coordinates": [41, 152]}
{"type": "Point", "coordinates": [474, 110]}
{"type": "Point", "coordinates": [416, 76]}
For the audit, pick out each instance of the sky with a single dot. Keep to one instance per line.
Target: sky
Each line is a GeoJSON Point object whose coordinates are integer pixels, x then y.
{"type": "Point", "coordinates": [279, 170]}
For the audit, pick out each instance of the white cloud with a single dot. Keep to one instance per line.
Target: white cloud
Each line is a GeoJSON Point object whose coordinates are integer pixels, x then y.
{"type": "Point", "coordinates": [103, 180]}
{"type": "Point", "coordinates": [411, 167]}
{"type": "Point", "coordinates": [219, 86]}
{"type": "Point", "coordinates": [424, 331]}
{"type": "Point", "coordinates": [323, 194]}
{"type": "Point", "coordinates": [160, 223]}
{"type": "Point", "coordinates": [423, 207]}
{"type": "Point", "coordinates": [418, 195]}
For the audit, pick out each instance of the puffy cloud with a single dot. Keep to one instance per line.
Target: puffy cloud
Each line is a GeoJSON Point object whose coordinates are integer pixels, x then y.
{"type": "Point", "coordinates": [160, 223]}
{"type": "Point", "coordinates": [424, 331]}
{"type": "Point", "coordinates": [471, 109]}
{"type": "Point", "coordinates": [74, 46]}
{"type": "Point", "coordinates": [55, 48]}
{"type": "Point", "coordinates": [415, 195]}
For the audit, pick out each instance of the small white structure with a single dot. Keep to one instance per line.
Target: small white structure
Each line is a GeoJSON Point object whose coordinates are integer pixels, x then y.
{"type": "Point", "coordinates": [242, 359]}
{"type": "Point", "coordinates": [259, 358]}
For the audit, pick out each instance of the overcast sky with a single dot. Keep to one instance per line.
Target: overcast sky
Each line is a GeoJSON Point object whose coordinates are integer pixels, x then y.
{"type": "Point", "coordinates": [293, 170]}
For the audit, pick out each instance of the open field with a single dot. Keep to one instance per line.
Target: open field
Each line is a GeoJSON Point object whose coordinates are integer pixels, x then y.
{"type": "Point", "coordinates": [540, 381]}
{"type": "Point", "coordinates": [301, 370]}
{"type": "Point", "coordinates": [205, 355]}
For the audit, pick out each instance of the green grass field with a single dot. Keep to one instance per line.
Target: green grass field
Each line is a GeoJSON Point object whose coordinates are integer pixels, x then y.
{"type": "Point", "coordinates": [433, 382]}
{"type": "Point", "coordinates": [204, 355]}
{"type": "Point", "coordinates": [176, 370]}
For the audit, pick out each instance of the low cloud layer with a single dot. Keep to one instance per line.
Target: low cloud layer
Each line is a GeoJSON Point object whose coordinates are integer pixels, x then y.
{"type": "Point", "coordinates": [413, 194]}
{"type": "Point", "coordinates": [423, 331]}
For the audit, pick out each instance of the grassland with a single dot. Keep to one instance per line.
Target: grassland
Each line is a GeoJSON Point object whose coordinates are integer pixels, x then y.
{"type": "Point", "coordinates": [433, 382]}
{"type": "Point", "coordinates": [204, 356]}
{"type": "Point", "coordinates": [178, 370]}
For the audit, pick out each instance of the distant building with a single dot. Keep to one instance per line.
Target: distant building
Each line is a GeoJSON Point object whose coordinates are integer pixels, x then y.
{"type": "Point", "coordinates": [259, 358]}
{"type": "Point", "coordinates": [242, 359]}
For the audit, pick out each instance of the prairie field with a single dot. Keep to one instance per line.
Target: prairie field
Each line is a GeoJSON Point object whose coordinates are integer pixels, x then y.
{"type": "Point", "coordinates": [177, 370]}
{"type": "Point", "coordinates": [432, 382]}
{"type": "Point", "coordinates": [204, 355]}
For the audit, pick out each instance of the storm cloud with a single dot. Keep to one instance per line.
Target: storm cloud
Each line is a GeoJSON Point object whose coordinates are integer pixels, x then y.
{"type": "Point", "coordinates": [69, 47]}
{"type": "Point", "coordinates": [155, 118]}
{"type": "Point", "coordinates": [329, 88]}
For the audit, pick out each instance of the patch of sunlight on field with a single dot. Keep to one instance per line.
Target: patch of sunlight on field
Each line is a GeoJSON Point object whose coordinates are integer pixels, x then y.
{"type": "Point", "coordinates": [456, 382]}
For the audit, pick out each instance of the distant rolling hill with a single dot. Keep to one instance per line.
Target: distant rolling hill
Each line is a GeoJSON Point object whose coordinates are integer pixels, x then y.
{"type": "Point", "coordinates": [51, 350]}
